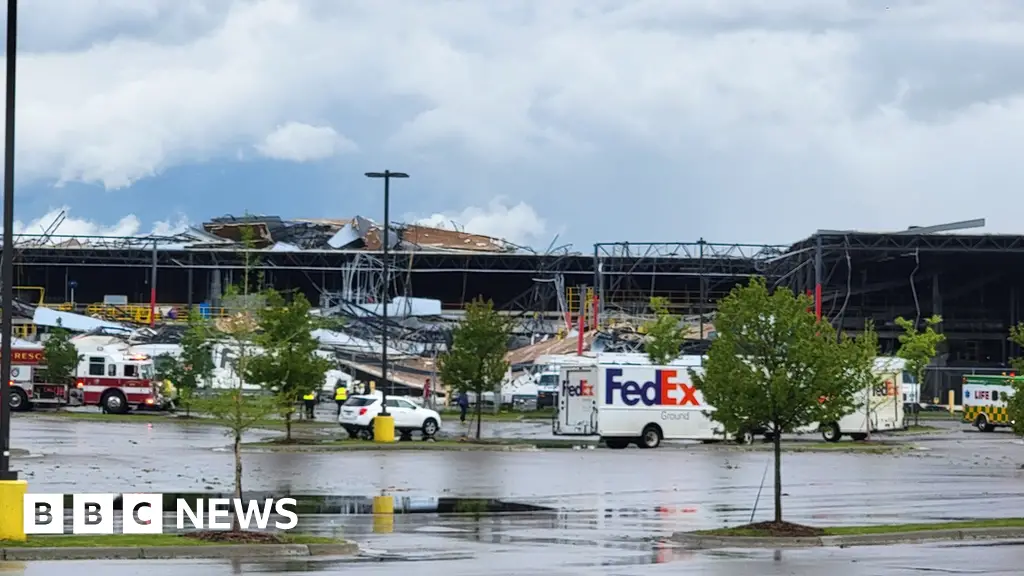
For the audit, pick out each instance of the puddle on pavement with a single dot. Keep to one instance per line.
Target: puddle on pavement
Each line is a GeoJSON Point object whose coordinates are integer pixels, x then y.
{"type": "Point", "coordinates": [316, 504]}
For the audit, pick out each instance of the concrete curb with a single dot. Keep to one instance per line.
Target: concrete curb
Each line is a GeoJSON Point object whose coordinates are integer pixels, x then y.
{"type": "Point", "coordinates": [181, 552]}
{"type": "Point", "coordinates": [699, 542]}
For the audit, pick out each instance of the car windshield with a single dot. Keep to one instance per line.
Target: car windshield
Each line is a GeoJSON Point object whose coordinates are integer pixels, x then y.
{"type": "Point", "coordinates": [548, 381]}
{"type": "Point", "coordinates": [357, 401]}
{"type": "Point", "coordinates": [146, 372]}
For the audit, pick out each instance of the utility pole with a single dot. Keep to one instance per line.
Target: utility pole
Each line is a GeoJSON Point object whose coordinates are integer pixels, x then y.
{"type": "Point", "coordinates": [387, 175]}
{"type": "Point", "coordinates": [7, 268]}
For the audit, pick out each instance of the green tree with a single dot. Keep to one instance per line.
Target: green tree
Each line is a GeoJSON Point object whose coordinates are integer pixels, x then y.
{"type": "Point", "coordinates": [238, 409]}
{"type": "Point", "coordinates": [61, 357]}
{"type": "Point", "coordinates": [664, 336]}
{"type": "Point", "coordinates": [865, 378]}
{"type": "Point", "coordinates": [775, 367]}
{"type": "Point", "coordinates": [1015, 404]}
{"type": "Point", "coordinates": [918, 348]}
{"type": "Point", "coordinates": [289, 364]}
{"type": "Point", "coordinates": [475, 361]}
{"type": "Point", "coordinates": [194, 365]}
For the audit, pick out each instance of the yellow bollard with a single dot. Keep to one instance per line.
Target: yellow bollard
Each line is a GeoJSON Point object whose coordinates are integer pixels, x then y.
{"type": "Point", "coordinates": [952, 399]}
{"type": "Point", "coordinates": [12, 509]}
{"type": "Point", "coordinates": [384, 429]}
{"type": "Point", "coordinates": [383, 514]}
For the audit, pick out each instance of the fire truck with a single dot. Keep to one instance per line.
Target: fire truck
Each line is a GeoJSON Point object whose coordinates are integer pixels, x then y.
{"type": "Point", "coordinates": [111, 379]}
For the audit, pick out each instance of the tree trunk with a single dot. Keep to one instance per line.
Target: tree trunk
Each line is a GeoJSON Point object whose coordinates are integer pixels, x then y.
{"type": "Point", "coordinates": [479, 407]}
{"type": "Point", "coordinates": [288, 427]}
{"type": "Point", "coordinates": [238, 479]}
{"type": "Point", "coordinates": [777, 440]}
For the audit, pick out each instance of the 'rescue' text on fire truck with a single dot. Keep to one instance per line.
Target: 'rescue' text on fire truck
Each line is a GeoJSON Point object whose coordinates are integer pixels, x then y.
{"type": "Point", "coordinates": [113, 379]}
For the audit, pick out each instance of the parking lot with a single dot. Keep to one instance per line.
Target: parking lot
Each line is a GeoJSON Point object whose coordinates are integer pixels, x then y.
{"type": "Point", "coordinates": [611, 508]}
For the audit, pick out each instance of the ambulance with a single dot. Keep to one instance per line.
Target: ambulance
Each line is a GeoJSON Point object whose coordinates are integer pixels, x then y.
{"type": "Point", "coordinates": [878, 409]}
{"type": "Point", "coordinates": [623, 400]}
{"type": "Point", "coordinates": [984, 400]}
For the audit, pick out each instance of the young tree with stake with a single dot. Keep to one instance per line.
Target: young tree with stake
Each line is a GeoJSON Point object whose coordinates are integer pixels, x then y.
{"type": "Point", "coordinates": [289, 364]}
{"type": "Point", "coordinates": [237, 410]}
{"type": "Point", "coordinates": [475, 361]}
{"type": "Point", "coordinates": [775, 367]}
{"type": "Point", "coordinates": [918, 348]}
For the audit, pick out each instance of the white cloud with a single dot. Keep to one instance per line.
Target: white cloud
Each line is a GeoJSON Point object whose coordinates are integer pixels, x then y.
{"type": "Point", "coordinates": [130, 225]}
{"type": "Point", "coordinates": [297, 142]}
{"type": "Point", "coordinates": [766, 118]}
{"type": "Point", "coordinates": [519, 223]}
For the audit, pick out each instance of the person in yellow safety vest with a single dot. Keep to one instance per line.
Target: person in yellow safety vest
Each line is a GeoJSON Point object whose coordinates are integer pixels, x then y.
{"type": "Point", "coordinates": [310, 401]}
{"type": "Point", "coordinates": [340, 395]}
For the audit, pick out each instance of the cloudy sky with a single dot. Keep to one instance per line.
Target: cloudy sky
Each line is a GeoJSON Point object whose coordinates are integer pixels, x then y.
{"type": "Point", "coordinates": [596, 120]}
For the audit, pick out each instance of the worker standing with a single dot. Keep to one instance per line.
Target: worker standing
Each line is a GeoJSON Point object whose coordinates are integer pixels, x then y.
{"type": "Point", "coordinates": [310, 401]}
{"type": "Point", "coordinates": [340, 395]}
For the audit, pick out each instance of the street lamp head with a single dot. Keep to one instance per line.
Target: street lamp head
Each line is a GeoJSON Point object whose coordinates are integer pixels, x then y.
{"type": "Point", "coordinates": [386, 174]}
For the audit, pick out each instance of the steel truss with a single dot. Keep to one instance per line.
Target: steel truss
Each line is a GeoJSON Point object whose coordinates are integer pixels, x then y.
{"type": "Point", "coordinates": [700, 270]}
{"type": "Point", "coordinates": [860, 241]}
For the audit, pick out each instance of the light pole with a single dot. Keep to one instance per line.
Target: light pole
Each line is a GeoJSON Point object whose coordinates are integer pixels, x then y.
{"type": "Point", "coordinates": [7, 267]}
{"type": "Point", "coordinates": [387, 175]}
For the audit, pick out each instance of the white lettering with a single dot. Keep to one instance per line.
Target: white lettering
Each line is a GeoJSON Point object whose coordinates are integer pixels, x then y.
{"type": "Point", "coordinates": [196, 517]}
{"type": "Point", "coordinates": [245, 515]}
{"type": "Point", "coordinates": [216, 512]}
{"type": "Point", "coordinates": [290, 514]}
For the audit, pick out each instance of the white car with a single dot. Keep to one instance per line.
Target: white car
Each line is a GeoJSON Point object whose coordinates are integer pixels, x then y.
{"type": "Point", "coordinates": [358, 412]}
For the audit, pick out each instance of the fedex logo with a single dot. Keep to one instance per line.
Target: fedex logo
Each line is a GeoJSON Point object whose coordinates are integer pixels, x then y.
{"type": "Point", "coordinates": [581, 389]}
{"type": "Point", "coordinates": [663, 390]}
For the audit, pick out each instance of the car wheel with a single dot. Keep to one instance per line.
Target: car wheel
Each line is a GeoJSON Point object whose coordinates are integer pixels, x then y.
{"type": "Point", "coordinates": [18, 400]}
{"type": "Point", "coordinates": [745, 438]}
{"type": "Point", "coordinates": [981, 423]}
{"type": "Point", "coordinates": [430, 427]}
{"type": "Point", "coordinates": [651, 436]}
{"type": "Point", "coordinates": [831, 433]}
{"type": "Point", "coordinates": [114, 402]}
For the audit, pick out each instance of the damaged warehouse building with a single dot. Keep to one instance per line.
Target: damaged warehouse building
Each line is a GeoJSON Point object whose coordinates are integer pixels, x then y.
{"type": "Point", "coordinates": [147, 282]}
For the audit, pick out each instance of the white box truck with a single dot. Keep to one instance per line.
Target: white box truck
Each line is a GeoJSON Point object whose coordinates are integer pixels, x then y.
{"type": "Point", "coordinates": [636, 403]}
{"type": "Point", "coordinates": [876, 410]}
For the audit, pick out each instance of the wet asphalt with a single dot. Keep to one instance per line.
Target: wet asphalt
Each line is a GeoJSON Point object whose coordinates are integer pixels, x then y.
{"type": "Point", "coordinates": [612, 510]}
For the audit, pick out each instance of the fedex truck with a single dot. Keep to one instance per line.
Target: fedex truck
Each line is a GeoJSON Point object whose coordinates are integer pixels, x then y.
{"type": "Point", "coordinates": [878, 409]}
{"type": "Point", "coordinates": [638, 404]}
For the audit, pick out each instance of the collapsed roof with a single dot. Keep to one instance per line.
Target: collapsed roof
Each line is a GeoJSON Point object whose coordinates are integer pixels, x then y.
{"type": "Point", "coordinates": [358, 233]}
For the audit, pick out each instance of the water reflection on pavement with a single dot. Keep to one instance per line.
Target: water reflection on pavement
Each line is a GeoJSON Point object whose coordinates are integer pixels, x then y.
{"type": "Point", "coordinates": [615, 509]}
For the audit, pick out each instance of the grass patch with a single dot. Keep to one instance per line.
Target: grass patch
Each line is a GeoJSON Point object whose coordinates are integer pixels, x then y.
{"type": "Point", "coordinates": [846, 446]}
{"type": "Point", "coordinates": [512, 416]}
{"type": "Point", "coordinates": [142, 540]}
{"type": "Point", "coordinates": [178, 419]}
{"type": "Point", "coordinates": [934, 416]}
{"type": "Point", "coordinates": [920, 429]}
{"type": "Point", "coordinates": [764, 530]}
{"type": "Point", "coordinates": [416, 445]}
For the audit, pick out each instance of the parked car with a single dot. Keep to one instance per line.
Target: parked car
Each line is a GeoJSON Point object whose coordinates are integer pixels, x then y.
{"type": "Point", "coordinates": [358, 412]}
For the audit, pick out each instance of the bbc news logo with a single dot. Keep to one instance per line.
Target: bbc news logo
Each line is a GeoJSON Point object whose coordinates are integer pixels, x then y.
{"type": "Point", "coordinates": [144, 513]}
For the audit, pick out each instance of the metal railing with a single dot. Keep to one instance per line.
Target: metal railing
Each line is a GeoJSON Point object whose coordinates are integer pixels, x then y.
{"type": "Point", "coordinates": [939, 381]}
{"type": "Point", "coordinates": [139, 313]}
